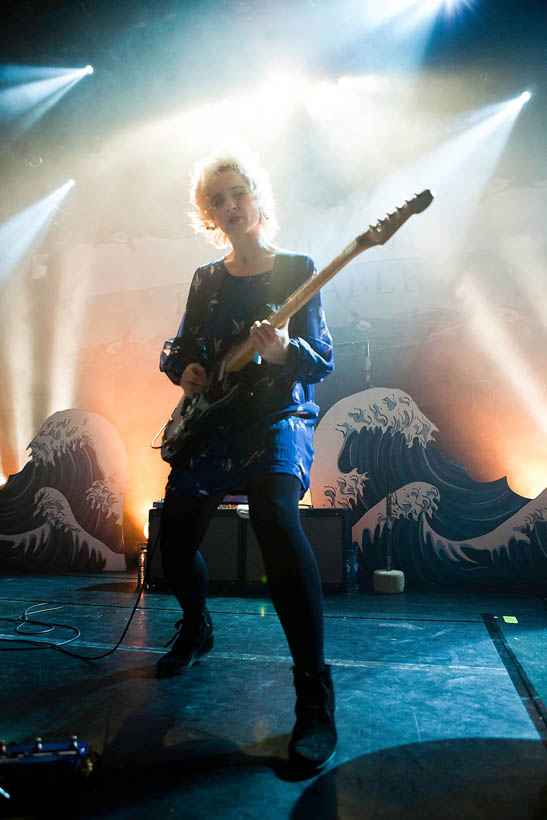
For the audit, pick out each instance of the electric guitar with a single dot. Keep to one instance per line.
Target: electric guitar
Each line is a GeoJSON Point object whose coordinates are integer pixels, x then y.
{"type": "Point", "coordinates": [195, 419]}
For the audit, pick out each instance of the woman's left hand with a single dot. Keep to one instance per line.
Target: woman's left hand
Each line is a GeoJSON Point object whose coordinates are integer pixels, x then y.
{"type": "Point", "coordinates": [271, 342]}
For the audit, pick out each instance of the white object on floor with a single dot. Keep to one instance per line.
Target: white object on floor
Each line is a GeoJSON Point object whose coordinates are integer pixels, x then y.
{"type": "Point", "coordinates": [388, 581]}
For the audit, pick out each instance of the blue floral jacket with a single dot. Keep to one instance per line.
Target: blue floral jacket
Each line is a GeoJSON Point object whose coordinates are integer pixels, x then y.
{"type": "Point", "coordinates": [219, 313]}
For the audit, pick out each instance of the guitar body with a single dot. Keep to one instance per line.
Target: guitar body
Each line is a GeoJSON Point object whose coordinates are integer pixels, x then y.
{"type": "Point", "coordinates": [192, 421]}
{"type": "Point", "coordinates": [206, 415]}
{"type": "Point", "coordinates": [197, 420]}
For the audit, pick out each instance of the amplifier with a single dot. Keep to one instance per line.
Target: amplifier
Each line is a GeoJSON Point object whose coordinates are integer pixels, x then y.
{"type": "Point", "coordinates": [220, 548]}
{"type": "Point", "coordinates": [233, 556]}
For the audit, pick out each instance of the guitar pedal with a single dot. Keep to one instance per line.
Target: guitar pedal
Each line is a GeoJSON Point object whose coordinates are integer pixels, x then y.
{"type": "Point", "coordinates": [39, 774]}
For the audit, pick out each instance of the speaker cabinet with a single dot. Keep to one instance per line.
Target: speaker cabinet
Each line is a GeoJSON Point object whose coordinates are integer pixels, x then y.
{"type": "Point", "coordinates": [220, 547]}
{"type": "Point", "coordinates": [233, 555]}
{"type": "Point", "coordinates": [329, 534]}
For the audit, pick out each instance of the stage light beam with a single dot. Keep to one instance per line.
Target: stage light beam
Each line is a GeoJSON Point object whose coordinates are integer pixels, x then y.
{"type": "Point", "coordinates": [401, 32]}
{"type": "Point", "coordinates": [24, 102]}
{"type": "Point", "coordinates": [23, 232]}
{"type": "Point", "coordinates": [498, 346]}
{"type": "Point", "coordinates": [459, 172]}
{"type": "Point", "coordinates": [20, 237]}
{"type": "Point", "coordinates": [451, 8]}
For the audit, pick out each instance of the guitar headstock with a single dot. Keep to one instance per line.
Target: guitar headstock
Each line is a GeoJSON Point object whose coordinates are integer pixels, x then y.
{"type": "Point", "coordinates": [385, 228]}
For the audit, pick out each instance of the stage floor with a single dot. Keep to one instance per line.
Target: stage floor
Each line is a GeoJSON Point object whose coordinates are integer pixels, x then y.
{"type": "Point", "coordinates": [434, 719]}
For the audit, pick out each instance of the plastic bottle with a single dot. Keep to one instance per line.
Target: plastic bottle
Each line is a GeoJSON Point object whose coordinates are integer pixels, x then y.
{"type": "Point", "coordinates": [352, 587]}
{"type": "Point", "coordinates": [141, 566]}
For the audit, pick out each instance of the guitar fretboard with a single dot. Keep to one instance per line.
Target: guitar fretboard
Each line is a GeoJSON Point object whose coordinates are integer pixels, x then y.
{"type": "Point", "coordinates": [243, 353]}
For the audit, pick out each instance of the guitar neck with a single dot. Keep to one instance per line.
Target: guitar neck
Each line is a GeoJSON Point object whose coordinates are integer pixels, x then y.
{"type": "Point", "coordinates": [243, 353]}
{"type": "Point", "coordinates": [240, 355]}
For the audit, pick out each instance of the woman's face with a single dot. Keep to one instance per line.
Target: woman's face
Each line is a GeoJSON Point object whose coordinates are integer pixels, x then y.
{"type": "Point", "coordinates": [232, 205]}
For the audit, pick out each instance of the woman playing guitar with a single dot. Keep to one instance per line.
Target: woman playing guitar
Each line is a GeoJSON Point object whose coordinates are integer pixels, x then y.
{"type": "Point", "coordinates": [263, 446]}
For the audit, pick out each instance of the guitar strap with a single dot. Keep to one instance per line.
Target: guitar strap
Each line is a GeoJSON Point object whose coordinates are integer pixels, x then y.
{"type": "Point", "coordinates": [288, 272]}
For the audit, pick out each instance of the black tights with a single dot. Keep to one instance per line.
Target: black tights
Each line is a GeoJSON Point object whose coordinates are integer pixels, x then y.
{"type": "Point", "coordinates": [291, 568]}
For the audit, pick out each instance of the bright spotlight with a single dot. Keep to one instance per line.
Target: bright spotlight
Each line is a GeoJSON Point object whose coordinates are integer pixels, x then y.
{"type": "Point", "coordinates": [517, 103]}
{"type": "Point", "coordinates": [71, 183]}
{"type": "Point", "coordinates": [453, 7]}
{"type": "Point", "coordinates": [88, 69]}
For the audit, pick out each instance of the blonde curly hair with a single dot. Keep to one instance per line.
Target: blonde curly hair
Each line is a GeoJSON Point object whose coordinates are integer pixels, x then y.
{"type": "Point", "coordinates": [230, 157]}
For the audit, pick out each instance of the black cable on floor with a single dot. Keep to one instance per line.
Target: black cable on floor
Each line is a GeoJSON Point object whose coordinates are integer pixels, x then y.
{"type": "Point", "coordinates": [23, 619]}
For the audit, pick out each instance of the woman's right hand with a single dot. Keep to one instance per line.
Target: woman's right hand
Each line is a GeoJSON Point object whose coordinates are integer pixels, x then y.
{"type": "Point", "coordinates": [194, 379]}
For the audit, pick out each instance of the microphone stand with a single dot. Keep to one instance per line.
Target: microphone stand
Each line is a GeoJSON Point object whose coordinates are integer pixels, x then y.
{"type": "Point", "coordinates": [388, 580]}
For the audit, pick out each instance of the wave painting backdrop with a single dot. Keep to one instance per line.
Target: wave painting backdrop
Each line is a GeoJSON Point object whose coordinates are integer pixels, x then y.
{"type": "Point", "coordinates": [447, 526]}
{"type": "Point", "coordinates": [64, 510]}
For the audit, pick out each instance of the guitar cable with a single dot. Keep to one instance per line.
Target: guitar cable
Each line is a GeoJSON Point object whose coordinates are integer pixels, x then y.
{"type": "Point", "coordinates": [59, 647]}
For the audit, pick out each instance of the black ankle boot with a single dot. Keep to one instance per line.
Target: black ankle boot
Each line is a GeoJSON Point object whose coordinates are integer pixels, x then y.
{"type": "Point", "coordinates": [192, 641]}
{"type": "Point", "coordinates": [314, 735]}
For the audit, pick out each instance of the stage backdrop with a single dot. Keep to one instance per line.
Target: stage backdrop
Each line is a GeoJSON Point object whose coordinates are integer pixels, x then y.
{"type": "Point", "coordinates": [438, 393]}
